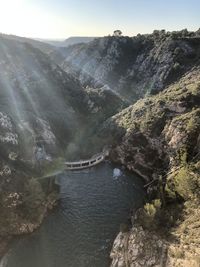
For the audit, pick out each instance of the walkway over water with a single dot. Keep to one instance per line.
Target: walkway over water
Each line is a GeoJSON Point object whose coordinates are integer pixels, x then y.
{"type": "Point", "coordinates": [82, 164]}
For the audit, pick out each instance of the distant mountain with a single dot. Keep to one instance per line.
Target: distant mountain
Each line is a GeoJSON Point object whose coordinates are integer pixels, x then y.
{"type": "Point", "coordinates": [78, 40]}
{"type": "Point", "coordinates": [69, 41]}
{"type": "Point", "coordinates": [44, 47]}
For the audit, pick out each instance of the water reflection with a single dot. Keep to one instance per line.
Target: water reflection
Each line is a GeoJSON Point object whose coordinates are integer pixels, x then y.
{"type": "Point", "coordinates": [80, 232]}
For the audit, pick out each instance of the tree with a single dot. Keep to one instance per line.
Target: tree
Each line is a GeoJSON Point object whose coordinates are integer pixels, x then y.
{"type": "Point", "coordinates": [184, 33]}
{"type": "Point", "coordinates": [117, 33]}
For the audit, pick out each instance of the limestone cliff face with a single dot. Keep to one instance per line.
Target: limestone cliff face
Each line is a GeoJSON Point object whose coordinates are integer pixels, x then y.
{"type": "Point", "coordinates": [147, 136]}
{"type": "Point", "coordinates": [158, 137]}
{"type": "Point", "coordinates": [133, 66]}
{"type": "Point", "coordinates": [23, 203]}
{"type": "Point", "coordinates": [139, 248]}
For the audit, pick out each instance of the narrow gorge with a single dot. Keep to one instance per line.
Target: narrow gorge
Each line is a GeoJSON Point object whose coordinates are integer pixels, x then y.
{"type": "Point", "coordinates": [138, 97]}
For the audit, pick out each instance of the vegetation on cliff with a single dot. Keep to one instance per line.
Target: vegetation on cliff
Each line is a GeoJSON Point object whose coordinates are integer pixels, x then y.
{"type": "Point", "coordinates": [133, 66]}
{"type": "Point", "coordinates": [169, 125]}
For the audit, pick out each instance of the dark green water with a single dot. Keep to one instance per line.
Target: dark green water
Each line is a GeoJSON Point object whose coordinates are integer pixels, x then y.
{"type": "Point", "coordinates": [80, 232]}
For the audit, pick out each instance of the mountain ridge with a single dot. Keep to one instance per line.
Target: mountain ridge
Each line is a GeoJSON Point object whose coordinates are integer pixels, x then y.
{"type": "Point", "coordinates": [133, 66]}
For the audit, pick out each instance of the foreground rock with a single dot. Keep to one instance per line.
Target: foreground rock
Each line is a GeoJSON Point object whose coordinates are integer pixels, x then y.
{"type": "Point", "coordinates": [138, 248]}
{"type": "Point", "coordinates": [143, 247]}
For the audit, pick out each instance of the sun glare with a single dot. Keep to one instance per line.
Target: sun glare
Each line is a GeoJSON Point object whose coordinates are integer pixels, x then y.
{"type": "Point", "coordinates": [21, 17]}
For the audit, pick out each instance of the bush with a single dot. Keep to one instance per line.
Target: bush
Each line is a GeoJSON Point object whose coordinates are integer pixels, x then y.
{"type": "Point", "coordinates": [186, 183]}
{"type": "Point", "coordinates": [149, 214]}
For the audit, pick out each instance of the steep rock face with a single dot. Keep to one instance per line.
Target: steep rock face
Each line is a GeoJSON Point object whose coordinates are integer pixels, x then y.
{"type": "Point", "coordinates": [133, 66]}
{"type": "Point", "coordinates": [145, 247]}
{"type": "Point", "coordinates": [33, 88]}
{"type": "Point", "coordinates": [147, 136]}
{"type": "Point", "coordinates": [37, 94]}
{"type": "Point", "coordinates": [166, 231]}
{"type": "Point", "coordinates": [23, 203]}
{"type": "Point", "coordinates": [139, 248]}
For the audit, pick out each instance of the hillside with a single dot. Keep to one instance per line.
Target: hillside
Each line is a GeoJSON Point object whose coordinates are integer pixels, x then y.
{"type": "Point", "coordinates": [158, 138]}
{"type": "Point", "coordinates": [35, 96]}
{"type": "Point", "coordinates": [133, 66]}
{"type": "Point", "coordinates": [44, 47]}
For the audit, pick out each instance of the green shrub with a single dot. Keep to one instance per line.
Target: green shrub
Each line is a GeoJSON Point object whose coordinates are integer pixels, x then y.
{"type": "Point", "coordinates": [186, 183]}
{"type": "Point", "coordinates": [149, 214]}
{"type": "Point", "coordinates": [33, 200]}
{"type": "Point", "coordinates": [193, 124]}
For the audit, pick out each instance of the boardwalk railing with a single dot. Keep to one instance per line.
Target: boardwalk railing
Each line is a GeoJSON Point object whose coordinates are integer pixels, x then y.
{"type": "Point", "coordinates": [82, 164]}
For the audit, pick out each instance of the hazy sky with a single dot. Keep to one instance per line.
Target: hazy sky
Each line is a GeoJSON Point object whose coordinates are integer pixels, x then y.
{"type": "Point", "coordinates": [64, 18]}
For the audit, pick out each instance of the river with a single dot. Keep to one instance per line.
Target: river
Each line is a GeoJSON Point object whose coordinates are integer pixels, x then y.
{"type": "Point", "coordinates": [81, 230]}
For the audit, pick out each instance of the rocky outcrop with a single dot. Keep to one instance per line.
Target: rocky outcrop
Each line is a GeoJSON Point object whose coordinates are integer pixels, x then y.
{"type": "Point", "coordinates": [147, 136]}
{"type": "Point", "coordinates": [16, 168]}
{"type": "Point", "coordinates": [139, 248]}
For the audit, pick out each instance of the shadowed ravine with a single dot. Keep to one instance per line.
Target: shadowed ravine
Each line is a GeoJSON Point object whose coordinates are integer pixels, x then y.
{"type": "Point", "coordinates": [80, 232]}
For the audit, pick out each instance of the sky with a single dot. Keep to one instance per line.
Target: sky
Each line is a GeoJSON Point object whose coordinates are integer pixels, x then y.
{"type": "Point", "coordinates": [59, 19]}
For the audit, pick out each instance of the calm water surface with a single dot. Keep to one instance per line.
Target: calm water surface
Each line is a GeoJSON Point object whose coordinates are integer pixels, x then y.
{"type": "Point", "coordinates": [80, 232]}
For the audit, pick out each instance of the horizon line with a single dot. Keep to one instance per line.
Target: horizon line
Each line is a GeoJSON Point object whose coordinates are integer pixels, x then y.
{"type": "Point", "coordinates": [91, 36]}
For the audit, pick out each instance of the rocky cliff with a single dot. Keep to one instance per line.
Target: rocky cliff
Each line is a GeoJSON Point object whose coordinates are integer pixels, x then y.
{"type": "Point", "coordinates": [148, 135]}
{"type": "Point", "coordinates": [158, 137]}
{"type": "Point", "coordinates": [133, 66]}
